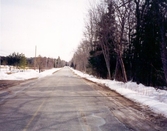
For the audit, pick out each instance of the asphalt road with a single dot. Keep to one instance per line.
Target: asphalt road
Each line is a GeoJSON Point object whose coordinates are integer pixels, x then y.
{"type": "Point", "coordinates": [62, 102]}
{"type": "Point", "coordinates": [65, 102]}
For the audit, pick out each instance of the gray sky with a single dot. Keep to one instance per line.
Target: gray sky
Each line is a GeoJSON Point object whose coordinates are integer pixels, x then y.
{"type": "Point", "coordinates": [54, 26]}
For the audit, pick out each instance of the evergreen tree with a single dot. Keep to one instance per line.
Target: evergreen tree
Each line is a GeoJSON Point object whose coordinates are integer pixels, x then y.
{"type": "Point", "coordinates": [23, 61]}
{"type": "Point", "coordinates": [97, 63]}
{"type": "Point", "coordinates": [147, 64]}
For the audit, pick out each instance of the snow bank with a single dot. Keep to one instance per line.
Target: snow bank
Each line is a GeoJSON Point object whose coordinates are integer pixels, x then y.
{"type": "Point", "coordinates": [48, 72]}
{"type": "Point", "coordinates": [27, 74]}
{"type": "Point", "coordinates": [155, 99]}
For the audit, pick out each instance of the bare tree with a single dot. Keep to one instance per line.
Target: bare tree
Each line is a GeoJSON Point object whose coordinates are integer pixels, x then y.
{"type": "Point", "coordinates": [90, 28]}
{"type": "Point", "coordinates": [39, 63]}
{"type": "Point", "coordinates": [103, 21]}
{"type": "Point", "coordinates": [111, 25]}
{"type": "Point", "coordinates": [80, 58]}
{"type": "Point", "coordinates": [123, 14]}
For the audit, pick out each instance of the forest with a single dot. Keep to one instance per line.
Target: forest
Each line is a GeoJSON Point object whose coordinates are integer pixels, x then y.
{"type": "Point", "coordinates": [20, 61]}
{"type": "Point", "coordinates": [125, 40]}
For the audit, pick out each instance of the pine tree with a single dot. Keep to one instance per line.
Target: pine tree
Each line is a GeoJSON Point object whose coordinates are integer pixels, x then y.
{"type": "Point", "coordinates": [147, 64]}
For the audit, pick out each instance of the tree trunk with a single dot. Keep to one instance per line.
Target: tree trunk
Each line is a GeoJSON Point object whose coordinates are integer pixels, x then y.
{"type": "Point", "coordinates": [120, 65]}
{"type": "Point", "coordinates": [163, 53]}
{"type": "Point", "coordinates": [163, 45]}
{"type": "Point", "coordinates": [116, 69]}
{"type": "Point", "coordinates": [123, 69]}
{"type": "Point", "coordinates": [107, 60]}
{"type": "Point", "coordinates": [108, 69]}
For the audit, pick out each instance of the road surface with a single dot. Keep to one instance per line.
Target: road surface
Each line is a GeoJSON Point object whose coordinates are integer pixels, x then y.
{"type": "Point", "coordinates": [65, 102]}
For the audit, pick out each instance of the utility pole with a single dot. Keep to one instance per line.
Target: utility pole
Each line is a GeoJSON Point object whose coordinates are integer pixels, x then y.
{"type": "Point", "coordinates": [35, 57]}
{"type": "Point", "coordinates": [0, 63]}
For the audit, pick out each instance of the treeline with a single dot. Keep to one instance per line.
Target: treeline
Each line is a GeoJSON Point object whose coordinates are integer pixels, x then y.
{"type": "Point", "coordinates": [14, 59]}
{"type": "Point", "coordinates": [21, 61]}
{"type": "Point", "coordinates": [125, 40]}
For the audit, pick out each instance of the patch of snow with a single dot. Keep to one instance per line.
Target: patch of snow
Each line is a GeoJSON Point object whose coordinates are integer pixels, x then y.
{"type": "Point", "coordinates": [27, 74]}
{"type": "Point", "coordinates": [155, 99]}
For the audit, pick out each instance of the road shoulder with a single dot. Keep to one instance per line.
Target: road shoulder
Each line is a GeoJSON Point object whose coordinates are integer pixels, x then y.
{"type": "Point", "coordinates": [132, 114]}
{"type": "Point", "coordinates": [5, 84]}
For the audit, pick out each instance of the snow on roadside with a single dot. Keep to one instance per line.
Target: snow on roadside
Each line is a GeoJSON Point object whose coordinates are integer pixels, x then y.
{"type": "Point", "coordinates": [28, 74]}
{"type": "Point", "coordinates": [48, 72]}
{"type": "Point", "coordinates": [155, 99]}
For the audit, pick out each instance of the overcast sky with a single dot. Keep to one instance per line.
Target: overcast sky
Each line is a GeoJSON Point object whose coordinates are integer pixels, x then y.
{"type": "Point", "coordinates": [54, 26]}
